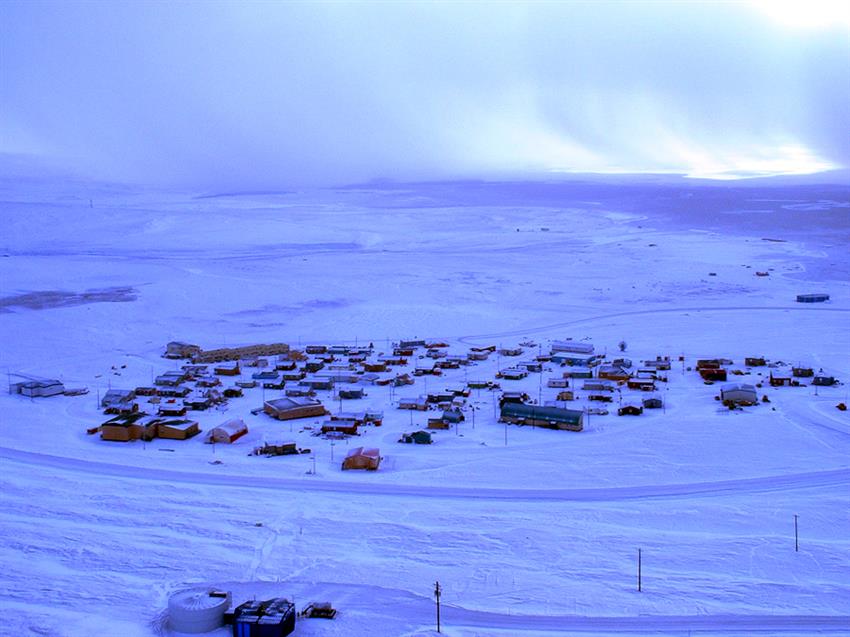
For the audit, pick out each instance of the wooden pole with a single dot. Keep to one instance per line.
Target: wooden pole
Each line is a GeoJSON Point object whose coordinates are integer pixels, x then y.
{"type": "Point", "coordinates": [639, 571]}
{"type": "Point", "coordinates": [796, 535]}
{"type": "Point", "coordinates": [437, 592]}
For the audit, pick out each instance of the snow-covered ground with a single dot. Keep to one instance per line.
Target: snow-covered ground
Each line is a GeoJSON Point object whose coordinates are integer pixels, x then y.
{"type": "Point", "coordinates": [529, 531]}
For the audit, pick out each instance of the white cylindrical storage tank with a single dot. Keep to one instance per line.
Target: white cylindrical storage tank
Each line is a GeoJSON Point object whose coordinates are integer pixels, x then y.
{"type": "Point", "coordinates": [196, 611]}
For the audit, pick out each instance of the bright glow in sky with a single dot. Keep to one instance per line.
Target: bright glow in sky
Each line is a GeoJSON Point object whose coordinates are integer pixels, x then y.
{"type": "Point", "coordinates": [807, 14]}
{"type": "Point", "coordinates": [236, 94]}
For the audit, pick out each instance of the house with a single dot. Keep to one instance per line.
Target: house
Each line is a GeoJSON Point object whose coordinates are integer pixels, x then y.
{"type": "Point", "coordinates": [270, 618]}
{"type": "Point", "coordinates": [285, 365]}
{"type": "Point", "coordinates": [294, 375]}
{"type": "Point", "coordinates": [478, 356]}
{"type": "Point", "coordinates": [277, 448]}
{"type": "Point", "coordinates": [146, 391]}
{"type": "Point", "coordinates": [39, 388]}
{"type": "Point", "coordinates": [317, 384]}
{"type": "Point", "coordinates": [194, 371]}
{"type": "Point", "coordinates": [755, 361]}
{"type": "Point", "coordinates": [630, 410]}
{"type": "Point", "coordinates": [613, 373]}
{"type": "Point", "coordinates": [275, 384]}
{"type": "Point", "coordinates": [541, 416]}
{"type": "Point", "coordinates": [392, 361]}
{"type": "Point", "coordinates": [802, 372]}
{"type": "Point", "coordinates": [344, 427]}
{"type": "Point", "coordinates": [599, 384]}
{"type": "Point", "coordinates": [377, 366]}
{"type": "Point", "coordinates": [780, 379]}
{"type": "Point", "coordinates": [171, 379]}
{"type": "Point", "coordinates": [119, 401]}
{"type": "Point", "coordinates": [227, 432]}
{"type": "Point", "coordinates": [299, 391]}
{"type": "Point", "coordinates": [362, 458]}
{"type": "Point", "coordinates": [488, 349]}
{"type": "Point", "coordinates": [173, 392]}
{"type": "Point", "coordinates": [738, 394]}
{"type": "Point", "coordinates": [293, 407]}
{"type": "Point", "coordinates": [246, 384]}
{"type": "Point", "coordinates": [481, 384]}
{"type": "Point", "coordinates": [129, 427]}
{"type": "Point", "coordinates": [208, 381]}
{"type": "Point", "coordinates": [178, 429]}
{"type": "Point", "coordinates": [436, 353]}
{"type": "Point", "coordinates": [172, 408]}
{"type": "Point", "coordinates": [353, 393]}
{"type": "Point", "coordinates": [447, 364]}
{"type": "Point", "coordinates": [531, 366]}
{"type": "Point", "coordinates": [510, 351]}
{"type": "Point", "coordinates": [427, 371]}
{"type": "Point", "coordinates": [558, 382]}
{"type": "Point", "coordinates": [411, 344]}
{"type": "Point", "coordinates": [601, 398]}
{"type": "Point", "coordinates": [266, 375]}
{"type": "Point", "coordinates": [418, 404]}
{"type": "Point", "coordinates": [233, 392]}
{"type": "Point", "coordinates": [417, 437]}
{"type": "Point", "coordinates": [375, 418]}
{"type": "Point", "coordinates": [712, 373]}
{"type": "Point", "coordinates": [812, 298]}
{"type": "Point", "coordinates": [227, 370]}
{"type": "Point", "coordinates": [513, 397]}
{"type": "Point", "coordinates": [316, 349]}
{"type": "Point", "coordinates": [578, 373]}
{"type": "Point", "coordinates": [513, 373]}
{"type": "Point", "coordinates": [179, 349]}
{"type": "Point", "coordinates": [660, 363]}
{"type": "Point", "coordinates": [311, 367]}
{"type": "Point", "coordinates": [564, 396]}
{"type": "Point", "coordinates": [574, 360]}
{"type": "Point", "coordinates": [441, 397]}
{"type": "Point", "coordinates": [643, 384]}
{"type": "Point", "coordinates": [197, 402]}
{"type": "Point", "coordinates": [652, 403]}
{"type": "Point", "coordinates": [824, 381]}
{"type": "Point", "coordinates": [573, 347]}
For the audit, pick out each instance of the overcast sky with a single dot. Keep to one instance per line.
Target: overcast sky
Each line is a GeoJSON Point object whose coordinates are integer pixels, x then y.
{"type": "Point", "coordinates": [266, 94]}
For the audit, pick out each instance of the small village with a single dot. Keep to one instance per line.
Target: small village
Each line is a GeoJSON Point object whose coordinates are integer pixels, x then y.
{"type": "Point", "coordinates": [342, 392]}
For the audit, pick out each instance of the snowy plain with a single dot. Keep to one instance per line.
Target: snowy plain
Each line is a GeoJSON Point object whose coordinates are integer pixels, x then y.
{"type": "Point", "coordinates": [529, 531]}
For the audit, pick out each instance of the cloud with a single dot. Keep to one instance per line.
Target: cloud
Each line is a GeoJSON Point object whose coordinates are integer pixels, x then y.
{"type": "Point", "coordinates": [268, 94]}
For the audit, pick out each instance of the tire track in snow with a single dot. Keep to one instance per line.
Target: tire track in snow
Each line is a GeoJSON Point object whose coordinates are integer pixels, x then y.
{"type": "Point", "coordinates": [833, 477]}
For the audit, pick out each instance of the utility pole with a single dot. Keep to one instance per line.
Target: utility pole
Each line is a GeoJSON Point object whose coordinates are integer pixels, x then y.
{"type": "Point", "coordinates": [796, 535]}
{"type": "Point", "coordinates": [639, 571]}
{"type": "Point", "coordinates": [437, 592]}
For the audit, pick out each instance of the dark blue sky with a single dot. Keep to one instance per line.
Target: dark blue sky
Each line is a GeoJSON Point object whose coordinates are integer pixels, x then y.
{"type": "Point", "coordinates": [247, 95]}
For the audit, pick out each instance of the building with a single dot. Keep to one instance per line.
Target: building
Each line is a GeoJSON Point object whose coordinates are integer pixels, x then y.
{"type": "Point", "coordinates": [237, 353]}
{"type": "Point", "coordinates": [574, 360]}
{"type": "Point", "coordinates": [812, 298]}
{"type": "Point", "coordinates": [177, 429]}
{"type": "Point", "coordinates": [614, 373]}
{"type": "Point", "coordinates": [179, 349]}
{"type": "Point", "coordinates": [417, 437]}
{"type": "Point", "coordinates": [738, 394]}
{"type": "Point", "coordinates": [824, 381]}
{"type": "Point", "coordinates": [599, 384]}
{"type": "Point", "coordinates": [802, 372]}
{"type": "Point", "coordinates": [541, 416]}
{"type": "Point", "coordinates": [38, 388]}
{"type": "Point", "coordinates": [780, 379]}
{"type": "Point", "coordinates": [362, 458]}
{"type": "Point", "coordinates": [643, 384]}
{"type": "Point", "coordinates": [418, 404]}
{"type": "Point", "coordinates": [573, 347]}
{"type": "Point", "coordinates": [755, 361]}
{"type": "Point", "coordinates": [652, 403]}
{"type": "Point", "coordinates": [129, 427]}
{"type": "Point", "coordinates": [271, 618]}
{"type": "Point", "coordinates": [119, 401]}
{"type": "Point", "coordinates": [293, 407]}
{"type": "Point", "coordinates": [630, 410]}
{"type": "Point", "coordinates": [352, 393]}
{"type": "Point", "coordinates": [513, 373]}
